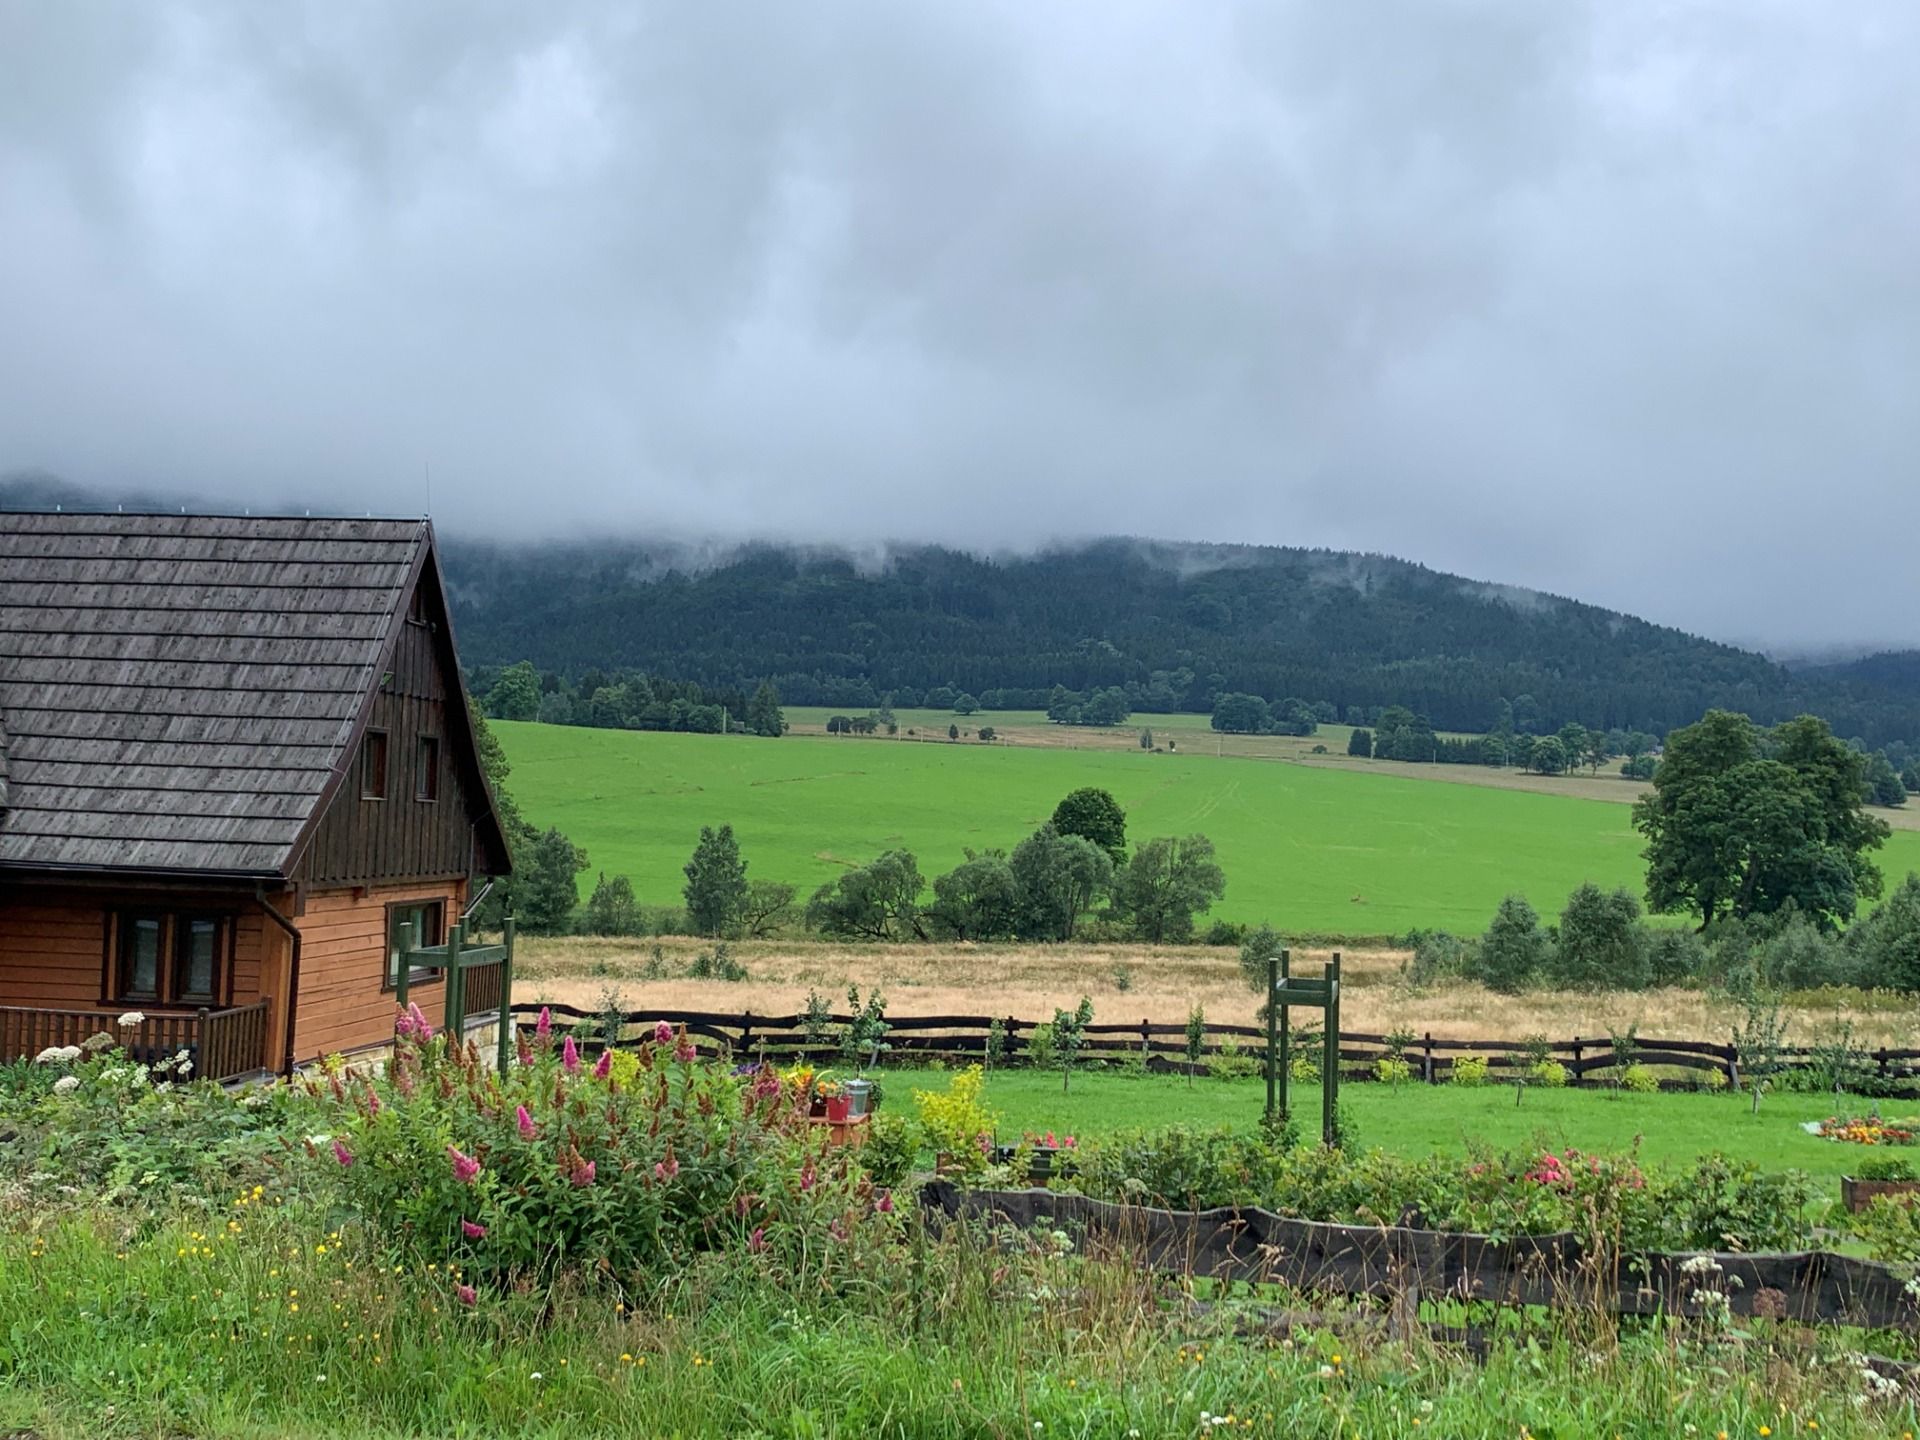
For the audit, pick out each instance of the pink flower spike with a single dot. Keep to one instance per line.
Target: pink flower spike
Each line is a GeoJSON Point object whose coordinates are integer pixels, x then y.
{"type": "Point", "coordinates": [543, 1027]}
{"type": "Point", "coordinates": [582, 1175]}
{"type": "Point", "coordinates": [465, 1167]}
{"type": "Point", "coordinates": [524, 1119]}
{"type": "Point", "coordinates": [421, 1026]}
{"type": "Point", "coordinates": [757, 1242]}
{"type": "Point", "coordinates": [666, 1169]}
{"type": "Point", "coordinates": [570, 1055]}
{"type": "Point", "coordinates": [341, 1153]}
{"type": "Point", "coordinates": [663, 1034]}
{"type": "Point", "coordinates": [684, 1051]}
{"type": "Point", "coordinates": [466, 1293]}
{"type": "Point", "coordinates": [473, 1231]}
{"type": "Point", "coordinates": [885, 1203]}
{"type": "Point", "coordinates": [603, 1067]}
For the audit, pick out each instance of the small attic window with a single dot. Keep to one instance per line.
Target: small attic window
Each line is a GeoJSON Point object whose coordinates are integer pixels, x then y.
{"type": "Point", "coordinates": [417, 606]}
{"type": "Point", "coordinates": [373, 766]}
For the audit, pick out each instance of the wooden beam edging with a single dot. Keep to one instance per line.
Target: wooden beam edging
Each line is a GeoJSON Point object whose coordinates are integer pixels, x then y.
{"type": "Point", "coordinates": [1255, 1245]}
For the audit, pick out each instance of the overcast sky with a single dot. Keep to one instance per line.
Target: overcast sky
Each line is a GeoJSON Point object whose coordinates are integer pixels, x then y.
{"type": "Point", "coordinates": [1619, 299]}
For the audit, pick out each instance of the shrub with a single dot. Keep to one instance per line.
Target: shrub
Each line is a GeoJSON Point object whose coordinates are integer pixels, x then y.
{"type": "Point", "coordinates": [557, 1166]}
{"type": "Point", "coordinates": [1890, 1229]}
{"type": "Point", "coordinates": [1440, 956]}
{"type": "Point", "coordinates": [1548, 1074]}
{"type": "Point", "coordinates": [1885, 946]}
{"type": "Point", "coordinates": [1599, 944]}
{"type": "Point", "coordinates": [1392, 1070]}
{"type": "Point", "coordinates": [1224, 932]}
{"type": "Point", "coordinates": [1885, 1167]}
{"type": "Point", "coordinates": [1800, 956]}
{"type": "Point", "coordinates": [892, 1149]}
{"type": "Point", "coordinates": [1041, 1052]}
{"type": "Point", "coordinates": [1514, 950]}
{"type": "Point", "coordinates": [1468, 1070]}
{"type": "Point", "coordinates": [1640, 1079]}
{"type": "Point", "coordinates": [957, 1121]}
{"type": "Point", "coordinates": [1230, 1062]}
{"type": "Point", "coordinates": [1675, 956]}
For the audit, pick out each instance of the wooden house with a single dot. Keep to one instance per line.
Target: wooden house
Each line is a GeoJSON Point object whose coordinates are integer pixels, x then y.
{"type": "Point", "coordinates": [236, 764]}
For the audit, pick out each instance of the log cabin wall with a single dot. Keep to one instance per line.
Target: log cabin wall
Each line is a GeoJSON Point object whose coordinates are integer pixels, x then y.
{"type": "Point", "coordinates": [345, 1003]}
{"type": "Point", "coordinates": [55, 944]}
{"type": "Point", "coordinates": [404, 835]}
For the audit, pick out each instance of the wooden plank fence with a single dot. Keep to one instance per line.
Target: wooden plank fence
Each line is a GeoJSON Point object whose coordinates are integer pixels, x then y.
{"type": "Point", "coordinates": [1589, 1059]}
{"type": "Point", "coordinates": [1407, 1265]}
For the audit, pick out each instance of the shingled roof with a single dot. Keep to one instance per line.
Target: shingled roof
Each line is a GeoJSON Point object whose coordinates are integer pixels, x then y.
{"type": "Point", "coordinates": [177, 692]}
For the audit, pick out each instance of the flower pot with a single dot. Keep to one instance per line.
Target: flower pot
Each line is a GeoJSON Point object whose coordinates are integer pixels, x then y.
{"type": "Point", "coordinates": [839, 1109]}
{"type": "Point", "coordinates": [1858, 1194]}
{"type": "Point", "coordinates": [859, 1092]}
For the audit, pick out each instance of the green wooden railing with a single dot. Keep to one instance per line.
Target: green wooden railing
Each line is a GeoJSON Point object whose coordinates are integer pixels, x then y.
{"type": "Point", "coordinates": [479, 978]}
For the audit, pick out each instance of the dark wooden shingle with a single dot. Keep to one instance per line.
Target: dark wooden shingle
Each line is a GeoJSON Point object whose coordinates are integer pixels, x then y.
{"type": "Point", "coordinates": [176, 691]}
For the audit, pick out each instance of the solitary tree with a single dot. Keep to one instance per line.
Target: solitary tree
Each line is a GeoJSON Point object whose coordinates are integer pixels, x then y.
{"type": "Point", "coordinates": [716, 889]}
{"type": "Point", "coordinates": [1360, 743]}
{"type": "Point", "coordinates": [1514, 950]}
{"type": "Point", "coordinates": [546, 892]}
{"type": "Point", "coordinates": [953, 732]}
{"type": "Point", "coordinates": [763, 711]}
{"type": "Point", "coordinates": [965, 704]}
{"type": "Point", "coordinates": [1739, 823]}
{"type": "Point", "coordinates": [611, 909]}
{"type": "Point", "coordinates": [1097, 816]}
{"type": "Point", "coordinates": [1166, 883]}
{"type": "Point", "coordinates": [1549, 755]}
{"type": "Point", "coordinates": [1600, 944]}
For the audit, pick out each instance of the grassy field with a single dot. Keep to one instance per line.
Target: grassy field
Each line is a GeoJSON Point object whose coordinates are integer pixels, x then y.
{"type": "Point", "coordinates": [1310, 849]}
{"type": "Point", "coordinates": [1669, 1129]}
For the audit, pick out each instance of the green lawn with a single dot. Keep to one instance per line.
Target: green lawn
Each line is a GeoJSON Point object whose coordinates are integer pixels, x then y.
{"type": "Point", "coordinates": [1415, 1119]}
{"type": "Point", "coordinates": [1311, 850]}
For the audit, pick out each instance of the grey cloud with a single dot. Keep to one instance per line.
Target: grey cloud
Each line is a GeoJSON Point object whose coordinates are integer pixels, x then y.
{"type": "Point", "coordinates": [1613, 299]}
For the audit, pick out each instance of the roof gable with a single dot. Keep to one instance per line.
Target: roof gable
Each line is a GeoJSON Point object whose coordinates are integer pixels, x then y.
{"type": "Point", "coordinates": [180, 691]}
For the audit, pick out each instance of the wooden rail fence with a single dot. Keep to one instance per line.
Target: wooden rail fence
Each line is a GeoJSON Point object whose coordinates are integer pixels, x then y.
{"type": "Point", "coordinates": [1407, 1265]}
{"type": "Point", "coordinates": [1163, 1046]}
{"type": "Point", "coordinates": [222, 1044]}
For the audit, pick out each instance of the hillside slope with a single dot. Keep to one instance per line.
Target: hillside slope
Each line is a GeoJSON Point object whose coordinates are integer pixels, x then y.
{"type": "Point", "coordinates": [1172, 623]}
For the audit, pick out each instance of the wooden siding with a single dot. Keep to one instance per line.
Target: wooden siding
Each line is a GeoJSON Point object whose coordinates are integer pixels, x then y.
{"type": "Point", "coordinates": [360, 841]}
{"type": "Point", "coordinates": [343, 960]}
{"type": "Point", "coordinates": [54, 943]}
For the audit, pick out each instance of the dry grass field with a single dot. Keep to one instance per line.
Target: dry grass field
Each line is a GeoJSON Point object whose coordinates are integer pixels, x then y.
{"type": "Point", "coordinates": [1029, 981]}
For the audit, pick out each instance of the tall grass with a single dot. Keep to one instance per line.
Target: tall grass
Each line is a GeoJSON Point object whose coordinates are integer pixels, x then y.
{"type": "Point", "coordinates": [264, 1322]}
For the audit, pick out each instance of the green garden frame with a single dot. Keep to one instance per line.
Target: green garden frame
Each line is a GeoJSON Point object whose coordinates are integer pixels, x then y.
{"type": "Point", "coordinates": [1284, 991]}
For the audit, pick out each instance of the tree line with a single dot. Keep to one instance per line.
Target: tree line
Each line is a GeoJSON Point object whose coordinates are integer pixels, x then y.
{"type": "Point", "coordinates": [627, 701]}
{"type": "Point", "coordinates": [1169, 628]}
{"type": "Point", "coordinates": [1074, 872]}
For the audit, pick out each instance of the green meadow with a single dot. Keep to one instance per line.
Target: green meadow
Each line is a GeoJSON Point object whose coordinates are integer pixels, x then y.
{"type": "Point", "coordinates": [1311, 850]}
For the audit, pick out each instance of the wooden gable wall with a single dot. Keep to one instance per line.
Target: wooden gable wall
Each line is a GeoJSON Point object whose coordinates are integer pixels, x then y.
{"type": "Point", "coordinates": [359, 841]}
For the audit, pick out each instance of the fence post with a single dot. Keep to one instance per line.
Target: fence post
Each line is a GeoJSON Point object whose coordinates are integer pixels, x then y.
{"type": "Point", "coordinates": [1579, 1075]}
{"type": "Point", "coordinates": [1426, 1063]}
{"type": "Point", "coordinates": [505, 1036]}
{"type": "Point", "coordinates": [1881, 1061]}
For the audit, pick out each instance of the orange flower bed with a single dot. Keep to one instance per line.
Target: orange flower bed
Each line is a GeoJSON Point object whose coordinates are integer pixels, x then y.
{"type": "Point", "coordinates": [1869, 1130]}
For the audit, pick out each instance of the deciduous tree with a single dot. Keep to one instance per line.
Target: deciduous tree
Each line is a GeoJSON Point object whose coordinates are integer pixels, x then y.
{"type": "Point", "coordinates": [877, 901]}
{"type": "Point", "coordinates": [1168, 881]}
{"type": "Point", "coordinates": [1095, 815]}
{"type": "Point", "coordinates": [716, 888]}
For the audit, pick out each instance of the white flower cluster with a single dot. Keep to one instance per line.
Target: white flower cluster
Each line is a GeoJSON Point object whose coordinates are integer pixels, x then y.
{"type": "Point", "coordinates": [66, 1085]}
{"type": "Point", "coordinates": [58, 1055]}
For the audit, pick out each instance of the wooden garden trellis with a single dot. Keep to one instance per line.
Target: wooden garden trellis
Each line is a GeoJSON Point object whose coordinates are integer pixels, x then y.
{"type": "Point", "coordinates": [1284, 991]}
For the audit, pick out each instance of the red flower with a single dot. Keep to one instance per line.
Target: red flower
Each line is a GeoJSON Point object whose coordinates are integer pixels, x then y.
{"type": "Point", "coordinates": [466, 1293]}
{"type": "Point", "coordinates": [341, 1153]}
{"type": "Point", "coordinates": [465, 1167]}
{"type": "Point", "coordinates": [473, 1231]}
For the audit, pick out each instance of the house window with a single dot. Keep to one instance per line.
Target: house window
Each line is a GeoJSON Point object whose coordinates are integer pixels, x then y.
{"type": "Point", "coordinates": [140, 951]}
{"type": "Point", "coordinates": [373, 766]}
{"type": "Point", "coordinates": [164, 959]}
{"type": "Point", "coordinates": [431, 917]}
{"type": "Point", "coordinates": [196, 941]}
{"type": "Point", "coordinates": [426, 769]}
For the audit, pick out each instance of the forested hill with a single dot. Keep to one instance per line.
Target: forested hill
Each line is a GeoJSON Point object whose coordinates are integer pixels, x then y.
{"type": "Point", "coordinates": [1172, 624]}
